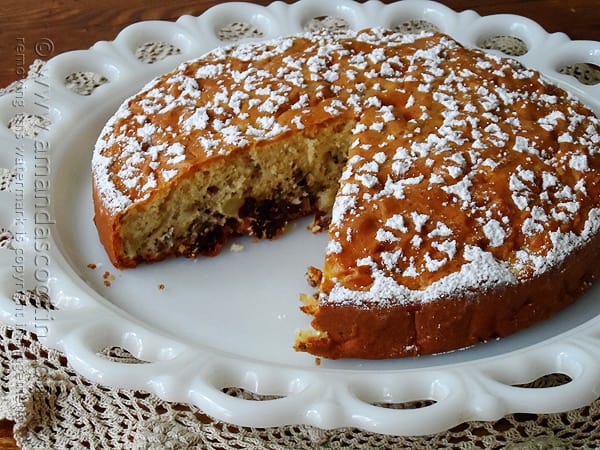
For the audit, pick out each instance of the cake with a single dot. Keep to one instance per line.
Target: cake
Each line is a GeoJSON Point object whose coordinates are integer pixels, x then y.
{"type": "Point", "coordinates": [460, 190]}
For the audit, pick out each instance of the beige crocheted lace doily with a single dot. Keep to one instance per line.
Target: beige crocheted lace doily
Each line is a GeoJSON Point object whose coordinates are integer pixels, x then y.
{"type": "Point", "coordinates": [54, 407]}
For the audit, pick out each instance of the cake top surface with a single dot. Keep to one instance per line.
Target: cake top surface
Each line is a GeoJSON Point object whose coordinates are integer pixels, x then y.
{"type": "Point", "coordinates": [465, 172]}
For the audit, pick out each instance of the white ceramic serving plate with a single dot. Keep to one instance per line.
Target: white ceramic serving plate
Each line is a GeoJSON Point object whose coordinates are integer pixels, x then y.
{"type": "Point", "coordinates": [229, 321]}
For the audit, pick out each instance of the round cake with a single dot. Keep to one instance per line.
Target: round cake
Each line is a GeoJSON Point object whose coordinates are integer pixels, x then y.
{"type": "Point", "coordinates": [461, 191]}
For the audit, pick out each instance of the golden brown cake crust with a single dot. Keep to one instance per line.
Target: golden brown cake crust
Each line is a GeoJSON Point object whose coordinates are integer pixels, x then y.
{"type": "Point", "coordinates": [469, 197]}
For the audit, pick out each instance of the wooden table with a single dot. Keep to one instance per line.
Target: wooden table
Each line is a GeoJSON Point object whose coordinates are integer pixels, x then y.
{"type": "Point", "coordinates": [32, 29]}
{"type": "Point", "coordinates": [48, 28]}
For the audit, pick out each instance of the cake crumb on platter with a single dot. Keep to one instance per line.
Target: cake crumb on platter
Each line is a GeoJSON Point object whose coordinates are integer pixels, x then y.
{"type": "Point", "coordinates": [236, 248]}
{"type": "Point", "coordinates": [313, 276]}
{"type": "Point", "coordinates": [108, 276]}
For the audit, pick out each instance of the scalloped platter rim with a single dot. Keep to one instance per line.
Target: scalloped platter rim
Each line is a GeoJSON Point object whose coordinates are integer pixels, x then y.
{"type": "Point", "coordinates": [209, 324]}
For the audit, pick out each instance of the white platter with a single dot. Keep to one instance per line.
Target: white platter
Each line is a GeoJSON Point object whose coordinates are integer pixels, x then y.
{"type": "Point", "coordinates": [229, 321]}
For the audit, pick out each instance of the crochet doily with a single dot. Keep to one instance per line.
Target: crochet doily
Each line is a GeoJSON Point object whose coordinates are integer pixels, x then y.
{"type": "Point", "coordinates": [54, 407]}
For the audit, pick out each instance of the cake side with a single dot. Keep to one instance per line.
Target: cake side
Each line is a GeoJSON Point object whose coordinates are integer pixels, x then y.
{"type": "Point", "coordinates": [462, 193]}
{"type": "Point", "coordinates": [253, 192]}
{"type": "Point", "coordinates": [451, 322]}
